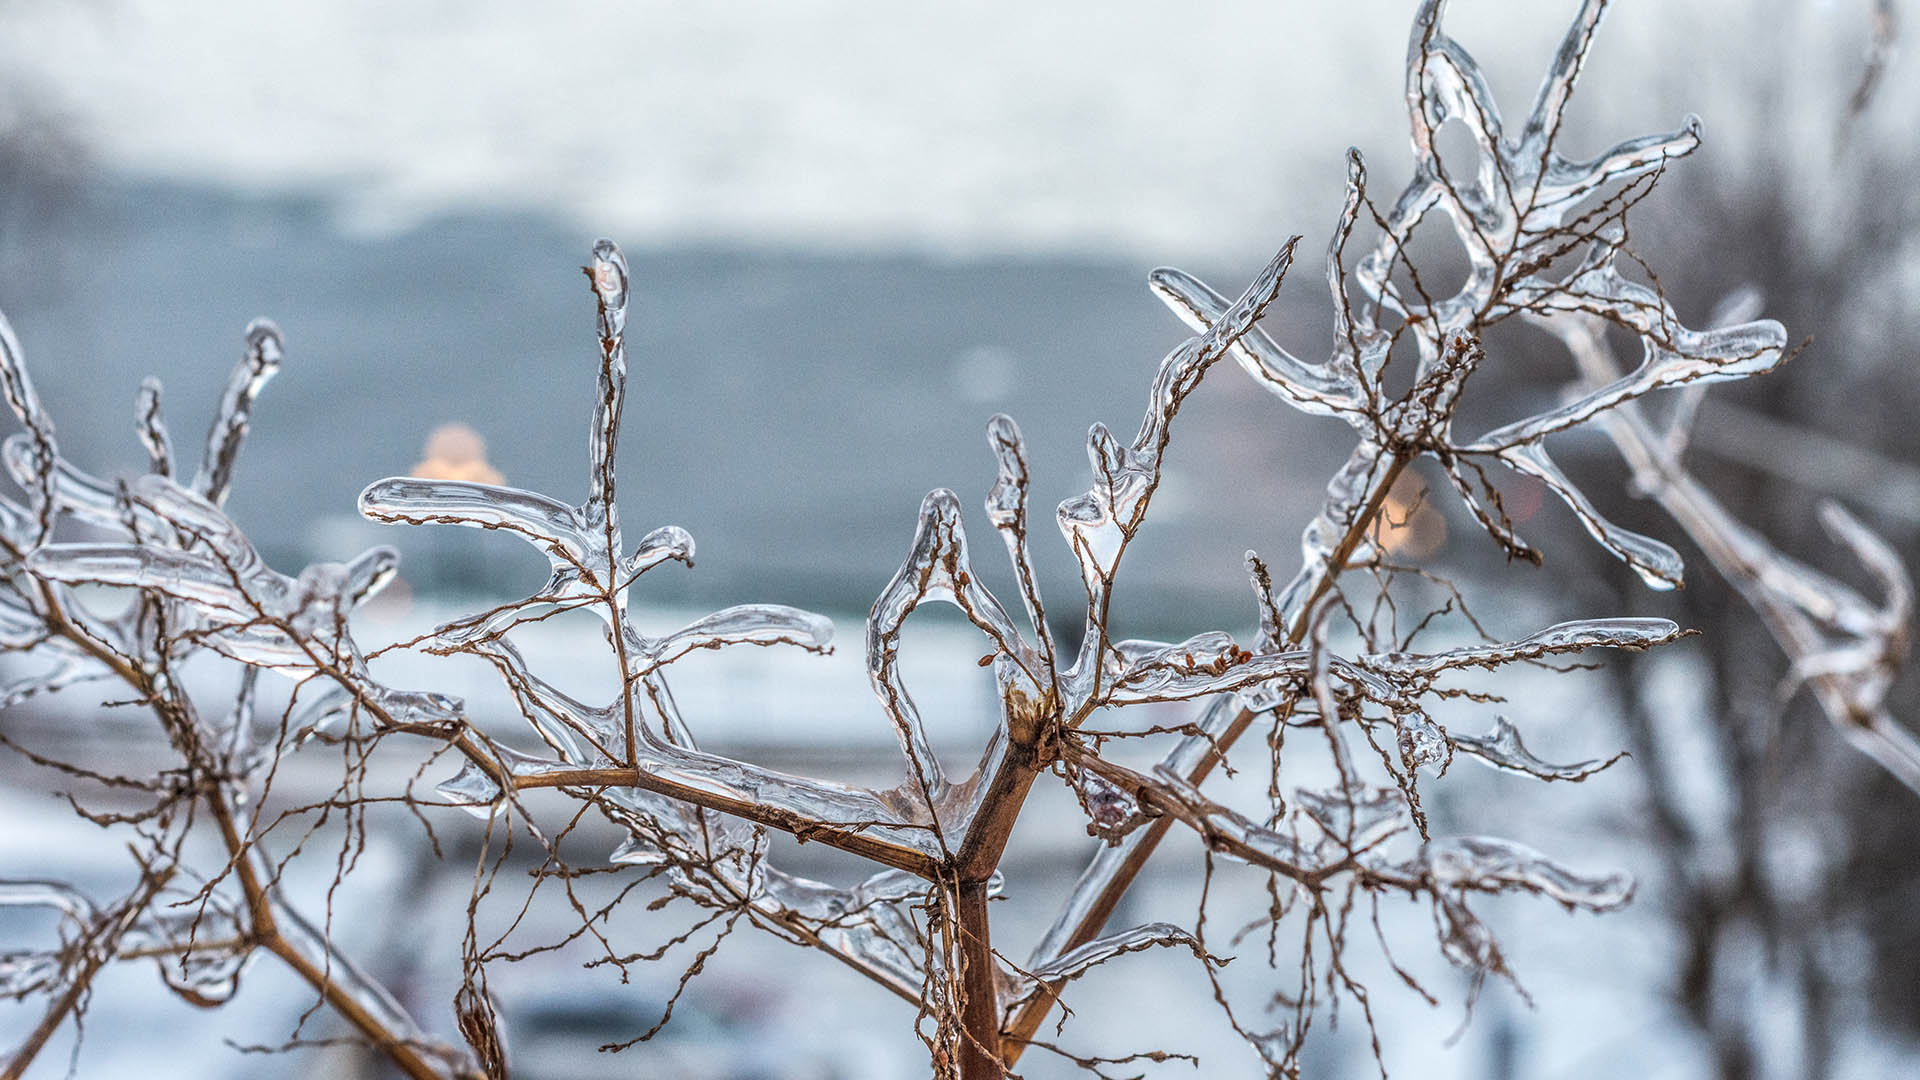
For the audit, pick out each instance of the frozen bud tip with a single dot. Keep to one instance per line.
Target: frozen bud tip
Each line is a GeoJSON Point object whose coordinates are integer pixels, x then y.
{"type": "Point", "coordinates": [265, 345]}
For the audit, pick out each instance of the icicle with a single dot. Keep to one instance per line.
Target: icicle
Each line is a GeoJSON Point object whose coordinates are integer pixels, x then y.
{"type": "Point", "coordinates": [235, 413]}
{"type": "Point", "coordinates": [472, 789]}
{"type": "Point", "coordinates": [151, 426]}
{"type": "Point", "coordinates": [1502, 749]}
{"type": "Point", "coordinates": [1487, 863]}
{"type": "Point", "coordinates": [608, 273]}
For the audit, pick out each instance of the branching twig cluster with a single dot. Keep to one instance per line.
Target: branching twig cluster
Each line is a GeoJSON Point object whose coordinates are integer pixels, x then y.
{"type": "Point", "coordinates": [1335, 658]}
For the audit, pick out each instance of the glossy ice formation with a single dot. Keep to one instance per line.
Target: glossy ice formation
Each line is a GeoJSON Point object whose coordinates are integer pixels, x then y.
{"type": "Point", "coordinates": [1543, 236]}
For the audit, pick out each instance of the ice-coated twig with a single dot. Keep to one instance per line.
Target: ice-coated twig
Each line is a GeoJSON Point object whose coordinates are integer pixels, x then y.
{"type": "Point", "coordinates": [1079, 961]}
{"type": "Point", "coordinates": [1846, 649]}
{"type": "Point", "coordinates": [42, 455]}
{"type": "Point", "coordinates": [203, 587]}
{"type": "Point", "coordinates": [1502, 749]}
{"type": "Point", "coordinates": [1545, 239]}
{"type": "Point", "coordinates": [235, 414]}
{"type": "Point", "coordinates": [1099, 524]}
{"type": "Point", "coordinates": [1522, 211]}
{"type": "Point", "coordinates": [589, 569]}
{"type": "Point", "coordinates": [1388, 678]}
{"type": "Point", "coordinates": [1454, 867]}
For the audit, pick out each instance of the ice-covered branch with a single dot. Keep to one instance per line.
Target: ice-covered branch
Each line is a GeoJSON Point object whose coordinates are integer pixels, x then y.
{"type": "Point", "coordinates": [1845, 648]}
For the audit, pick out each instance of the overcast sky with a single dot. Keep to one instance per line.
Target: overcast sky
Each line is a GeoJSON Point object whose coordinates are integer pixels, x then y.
{"type": "Point", "coordinates": [1159, 130]}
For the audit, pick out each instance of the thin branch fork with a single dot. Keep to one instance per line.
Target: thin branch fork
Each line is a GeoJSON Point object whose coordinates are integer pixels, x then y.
{"type": "Point", "coordinates": [1020, 1032]}
{"type": "Point", "coordinates": [97, 949]}
{"type": "Point", "coordinates": [240, 853]}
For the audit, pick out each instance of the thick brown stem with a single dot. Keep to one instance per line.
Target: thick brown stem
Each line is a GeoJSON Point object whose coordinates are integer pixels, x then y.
{"type": "Point", "coordinates": [1001, 804]}
{"type": "Point", "coordinates": [980, 1004]}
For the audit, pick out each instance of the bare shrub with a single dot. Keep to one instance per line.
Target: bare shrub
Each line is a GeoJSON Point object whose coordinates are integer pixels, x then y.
{"type": "Point", "coordinates": [1349, 654]}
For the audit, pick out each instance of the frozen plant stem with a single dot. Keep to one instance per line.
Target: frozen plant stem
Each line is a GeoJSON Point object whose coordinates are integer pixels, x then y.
{"type": "Point", "coordinates": [243, 861]}
{"type": "Point", "coordinates": [1021, 1031]}
{"type": "Point", "coordinates": [1848, 680]}
{"type": "Point", "coordinates": [1341, 657]}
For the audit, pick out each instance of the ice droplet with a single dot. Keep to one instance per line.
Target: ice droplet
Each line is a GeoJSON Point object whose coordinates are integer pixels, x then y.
{"type": "Point", "coordinates": [472, 789]}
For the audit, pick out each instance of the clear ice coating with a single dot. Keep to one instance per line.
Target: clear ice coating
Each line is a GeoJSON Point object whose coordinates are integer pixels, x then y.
{"type": "Point", "coordinates": [669, 806]}
{"type": "Point", "coordinates": [1502, 749]}
{"type": "Point", "coordinates": [1356, 819]}
{"type": "Point", "coordinates": [1567, 637]}
{"type": "Point", "coordinates": [1457, 866]}
{"type": "Point", "coordinates": [702, 818]}
{"type": "Point", "coordinates": [260, 363]}
{"type": "Point", "coordinates": [1844, 648]}
{"type": "Point", "coordinates": [151, 426]}
{"type": "Point", "coordinates": [201, 948]}
{"type": "Point", "coordinates": [1076, 962]}
{"type": "Point", "coordinates": [367, 992]}
{"type": "Point", "coordinates": [1508, 216]}
{"type": "Point", "coordinates": [31, 971]}
{"type": "Point", "coordinates": [1099, 523]}
{"type": "Point", "coordinates": [1489, 864]}
{"type": "Point", "coordinates": [200, 945]}
{"type": "Point", "coordinates": [41, 457]}
{"type": "Point", "coordinates": [1513, 210]}
{"type": "Point", "coordinates": [251, 613]}
{"type": "Point", "coordinates": [1423, 745]}
{"type": "Point", "coordinates": [202, 587]}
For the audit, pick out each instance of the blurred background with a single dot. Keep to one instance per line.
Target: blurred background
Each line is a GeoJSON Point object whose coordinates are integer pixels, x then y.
{"type": "Point", "coordinates": [856, 232]}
